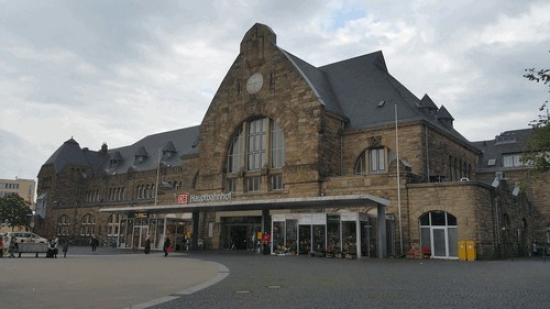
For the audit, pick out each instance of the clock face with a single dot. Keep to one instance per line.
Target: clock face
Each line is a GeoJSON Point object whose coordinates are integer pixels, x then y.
{"type": "Point", "coordinates": [254, 83]}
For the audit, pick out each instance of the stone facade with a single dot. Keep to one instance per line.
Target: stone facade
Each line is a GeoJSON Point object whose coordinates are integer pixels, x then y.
{"type": "Point", "coordinates": [325, 154]}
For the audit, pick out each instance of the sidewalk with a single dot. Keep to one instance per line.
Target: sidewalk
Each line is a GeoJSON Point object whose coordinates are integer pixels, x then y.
{"type": "Point", "coordinates": [109, 278]}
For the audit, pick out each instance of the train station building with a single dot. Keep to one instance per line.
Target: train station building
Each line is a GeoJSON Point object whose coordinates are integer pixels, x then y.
{"type": "Point", "coordinates": [339, 160]}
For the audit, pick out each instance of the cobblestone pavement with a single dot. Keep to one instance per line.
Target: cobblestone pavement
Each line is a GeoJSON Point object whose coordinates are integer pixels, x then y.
{"type": "Point", "coordinates": [240, 280]}
{"type": "Point", "coordinates": [257, 281]}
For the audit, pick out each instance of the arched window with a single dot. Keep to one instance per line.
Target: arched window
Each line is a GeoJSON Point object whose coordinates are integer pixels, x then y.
{"type": "Point", "coordinates": [439, 234]}
{"type": "Point", "coordinates": [87, 225]}
{"type": "Point", "coordinates": [371, 161]}
{"type": "Point", "coordinates": [258, 145]}
{"type": "Point", "coordinates": [63, 224]}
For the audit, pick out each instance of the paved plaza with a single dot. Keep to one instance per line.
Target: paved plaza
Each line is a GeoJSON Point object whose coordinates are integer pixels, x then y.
{"type": "Point", "coordinates": [125, 279]}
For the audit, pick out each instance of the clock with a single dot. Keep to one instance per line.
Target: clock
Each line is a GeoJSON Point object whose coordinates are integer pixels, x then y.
{"type": "Point", "coordinates": [254, 83]}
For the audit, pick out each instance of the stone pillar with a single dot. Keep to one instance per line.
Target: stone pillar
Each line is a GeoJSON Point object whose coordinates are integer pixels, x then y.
{"type": "Point", "coordinates": [195, 238]}
{"type": "Point", "coordinates": [381, 226]}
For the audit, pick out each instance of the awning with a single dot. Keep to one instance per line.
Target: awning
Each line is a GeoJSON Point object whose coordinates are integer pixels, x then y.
{"type": "Point", "coordinates": [260, 204]}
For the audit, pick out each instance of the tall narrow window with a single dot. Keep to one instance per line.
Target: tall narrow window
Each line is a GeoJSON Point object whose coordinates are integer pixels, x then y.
{"type": "Point", "coordinates": [234, 160]}
{"type": "Point", "coordinates": [277, 146]}
{"type": "Point", "coordinates": [360, 165]}
{"type": "Point", "coordinates": [63, 224]}
{"type": "Point", "coordinates": [87, 225]}
{"type": "Point", "coordinates": [256, 144]}
{"type": "Point", "coordinates": [377, 160]}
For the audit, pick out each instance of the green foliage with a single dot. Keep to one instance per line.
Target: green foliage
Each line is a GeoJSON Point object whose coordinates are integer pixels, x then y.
{"type": "Point", "coordinates": [15, 211]}
{"type": "Point", "coordinates": [539, 141]}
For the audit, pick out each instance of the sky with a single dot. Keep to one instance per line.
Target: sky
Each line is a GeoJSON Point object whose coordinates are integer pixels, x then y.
{"type": "Point", "coordinates": [116, 71]}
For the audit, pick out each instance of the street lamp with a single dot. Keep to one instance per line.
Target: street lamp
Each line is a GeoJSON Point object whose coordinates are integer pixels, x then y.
{"type": "Point", "coordinates": [32, 222]}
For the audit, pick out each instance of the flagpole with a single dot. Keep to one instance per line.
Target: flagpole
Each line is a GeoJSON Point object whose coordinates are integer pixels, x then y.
{"type": "Point", "coordinates": [398, 187]}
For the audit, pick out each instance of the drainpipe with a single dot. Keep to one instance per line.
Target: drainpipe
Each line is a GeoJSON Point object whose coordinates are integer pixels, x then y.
{"type": "Point", "coordinates": [341, 147]}
{"type": "Point", "coordinates": [427, 154]}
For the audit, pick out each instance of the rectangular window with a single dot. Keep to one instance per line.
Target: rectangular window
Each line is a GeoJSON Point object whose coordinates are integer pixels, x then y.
{"type": "Point", "coordinates": [253, 184]}
{"type": "Point", "coordinates": [277, 182]}
{"type": "Point", "coordinates": [231, 185]}
{"type": "Point", "coordinates": [377, 160]}
{"type": "Point", "coordinates": [512, 160]}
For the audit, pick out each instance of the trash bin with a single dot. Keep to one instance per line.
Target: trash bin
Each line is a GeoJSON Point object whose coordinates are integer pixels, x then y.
{"type": "Point", "coordinates": [470, 250]}
{"type": "Point", "coordinates": [462, 250]}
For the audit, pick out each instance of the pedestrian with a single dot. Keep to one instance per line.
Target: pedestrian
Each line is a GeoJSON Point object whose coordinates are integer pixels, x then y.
{"type": "Point", "coordinates": [1, 246]}
{"type": "Point", "coordinates": [65, 248]}
{"type": "Point", "coordinates": [14, 247]}
{"type": "Point", "coordinates": [55, 246]}
{"type": "Point", "coordinates": [266, 239]}
{"type": "Point", "coordinates": [166, 246]}
{"type": "Point", "coordinates": [94, 242]}
{"type": "Point", "coordinates": [232, 245]}
{"type": "Point", "coordinates": [147, 247]}
{"type": "Point", "coordinates": [51, 248]}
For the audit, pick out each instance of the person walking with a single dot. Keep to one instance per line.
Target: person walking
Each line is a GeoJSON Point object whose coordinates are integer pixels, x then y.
{"type": "Point", "coordinates": [1, 246]}
{"type": "Point", "coordinates": [266, 239]}
{"type": "Point", "coordinates": [94, 242]}
{"type": "Point", "coordinates": [166, 246]}
{"type": "Point", "coordinates": [147, 247]}
{"type": "Point", "coordinates": [14, 247]}
{"type": "Point", "coordinates": [233, 242]}
{"type": "Point", "coordinates": [65, 248]}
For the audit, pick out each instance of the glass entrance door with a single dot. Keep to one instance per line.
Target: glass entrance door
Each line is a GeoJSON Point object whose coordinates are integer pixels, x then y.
{"type": "Point", "coordinates": [304, 235]}
{"type": "Point", "coordinates": [140, 233]}
{"type": "Point", "coordinates": [439, 244]}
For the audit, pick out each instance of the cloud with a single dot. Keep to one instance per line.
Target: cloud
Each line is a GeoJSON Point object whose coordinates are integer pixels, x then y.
{"type": "Point", "coordinates": [113, 72]}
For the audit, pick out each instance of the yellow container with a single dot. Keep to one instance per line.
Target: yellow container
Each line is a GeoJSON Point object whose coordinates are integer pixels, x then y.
{"type": "Point", "coordinates": [462, 250]}
{"type": "Point", "coordinates": [471, 250]}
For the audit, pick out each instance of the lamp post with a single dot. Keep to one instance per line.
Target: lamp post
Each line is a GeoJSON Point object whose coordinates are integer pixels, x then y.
{"type": "Point", "coordinates": [32, 221]}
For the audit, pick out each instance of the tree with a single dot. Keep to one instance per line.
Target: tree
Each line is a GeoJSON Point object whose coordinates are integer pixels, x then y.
{"type": "Point", "coordinates": [539, 141]}
{"type": "Point", "coordinates": [14, 211]}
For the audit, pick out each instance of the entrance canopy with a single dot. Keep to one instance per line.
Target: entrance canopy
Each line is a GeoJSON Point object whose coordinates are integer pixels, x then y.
{"type": "Point", "coordinates": [261, 204]}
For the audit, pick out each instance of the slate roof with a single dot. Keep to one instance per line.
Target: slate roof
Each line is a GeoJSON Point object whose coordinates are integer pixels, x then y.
{"type": "Point", "coordinates": [508, 142]}
{"type": "Point", "coordinates": [363, 92]}
{"type": "Point", "coordinates": [169, 145]}
{"type": "Point", "coordinates": [360, 90]}
{"type": "Point", "coordinates": [71, 154]}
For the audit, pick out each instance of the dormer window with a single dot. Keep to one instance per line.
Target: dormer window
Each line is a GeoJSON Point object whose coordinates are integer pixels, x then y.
{"type": "Point", "coordinates": [140, 156]}
{"type": "Point", "coordinates": [168, 151]}
{"type": "Point", "coordinates": [116, 159]}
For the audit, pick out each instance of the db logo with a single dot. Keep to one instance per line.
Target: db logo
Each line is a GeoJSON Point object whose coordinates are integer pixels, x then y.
{"type": "Point", "coordinates": [182, 199]}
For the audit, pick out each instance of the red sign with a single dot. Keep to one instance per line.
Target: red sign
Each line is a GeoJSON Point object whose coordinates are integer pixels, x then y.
{"type": "Point", "coordinates": [182, 198]}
